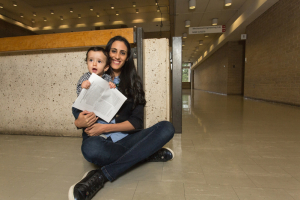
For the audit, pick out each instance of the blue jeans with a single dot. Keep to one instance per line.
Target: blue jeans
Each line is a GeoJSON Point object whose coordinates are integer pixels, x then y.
{"type": "Point", "coordinates": [116, 158]}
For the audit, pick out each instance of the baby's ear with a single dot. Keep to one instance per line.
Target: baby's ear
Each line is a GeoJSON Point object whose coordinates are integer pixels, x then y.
{"type": "Point", "coordinates": [106, 68]}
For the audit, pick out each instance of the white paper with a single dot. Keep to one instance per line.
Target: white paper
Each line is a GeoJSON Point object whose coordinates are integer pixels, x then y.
{"type": "Point", "coordinates": [100, 99]}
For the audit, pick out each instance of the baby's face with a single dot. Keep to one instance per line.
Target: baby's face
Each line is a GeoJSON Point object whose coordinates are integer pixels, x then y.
{"type": "Point", "coordinates": [96, 62]}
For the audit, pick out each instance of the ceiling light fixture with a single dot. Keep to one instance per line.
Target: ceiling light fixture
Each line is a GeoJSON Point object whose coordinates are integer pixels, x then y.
{"type": "Point", "coordinates": [214, 21]}
{"type": "Point", "coordinates": [184, 35]}
{"type": "Point", "coordinates": [52, 12]}
{"type": "Point", "coordinates": [137, 11]}
{"type": "Point", "coordinates": [61, 18]}
{"type": "Point", "coordinates": [33, 21]}
{"type": "Point", "coordinates": [14, 3]}
{"type": "Point", "coordinates": [34, 14]}
{"type": "Point", "coordinates": [183, 43]}
{"type": "Point", "coordinates": [158, 9]}
{"type": "Point", "coordinates": [98, 14]}
{"type": "Point", "coordinates": [156, 2]}
{"type": "Point", "coordinates": [79, 16]}
{"type": "Point", "coordinates": [1, 5]}
{"type": "Point", "coordinates": [192, 4]}
{"type": "Point", "coordinates": [91, 8]}
{"type": "Point", "coordinates": [197, 48]}
{"type": "Point", "coordinates": [112, 6]}
{"type": "Point", "coordinates": [200, 42]}
{"type": "Point", "coordinates": [21, 15]}
{"type": "Point", "coordinates": [187, 23]}
{"type": "Point", "coordinates": [71, 10]}
{"type": "Point", "coordinates": [228, 2]}
{"type": "Point", "coordinates": [45, 19]}
{"type": "Point", "coordinates": [206, 35]}
{"type": "Point", "coordinates": [133, 4]}
{"type": "Point", "coordinates": [117, 13]}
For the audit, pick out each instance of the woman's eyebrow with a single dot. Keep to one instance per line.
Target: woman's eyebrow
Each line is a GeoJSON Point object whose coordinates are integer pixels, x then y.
{"type": "Point", "coordinates": [120, 50]}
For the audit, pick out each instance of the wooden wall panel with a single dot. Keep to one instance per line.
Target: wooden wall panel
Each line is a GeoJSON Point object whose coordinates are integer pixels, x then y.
{"type": "Point", "coordinates": [63, 40]}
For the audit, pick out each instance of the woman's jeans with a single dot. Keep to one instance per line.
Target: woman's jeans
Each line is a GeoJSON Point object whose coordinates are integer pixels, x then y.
{"type": "Point", "coordinates": [116, 158]}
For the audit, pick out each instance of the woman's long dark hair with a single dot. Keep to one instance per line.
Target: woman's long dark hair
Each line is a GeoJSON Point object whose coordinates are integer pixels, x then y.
{"type": "Point", "coordinates": [130, 82]}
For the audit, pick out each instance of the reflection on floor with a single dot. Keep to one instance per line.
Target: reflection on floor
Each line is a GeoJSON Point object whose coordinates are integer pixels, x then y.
{"type": "Point", "coordinates": [231, 148]}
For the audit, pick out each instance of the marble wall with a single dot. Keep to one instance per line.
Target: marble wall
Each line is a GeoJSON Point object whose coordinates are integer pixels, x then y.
{"type": "Point", "coordinates": [39, 87]}
{"type": "Point", "coordinates": [157, 80]}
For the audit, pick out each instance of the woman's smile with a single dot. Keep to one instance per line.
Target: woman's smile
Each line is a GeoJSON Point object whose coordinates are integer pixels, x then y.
{"type": "Point", "coordinates": [118, 55]}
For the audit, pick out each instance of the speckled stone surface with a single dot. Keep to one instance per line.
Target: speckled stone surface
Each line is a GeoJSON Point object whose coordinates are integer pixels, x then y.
{"type": "Point", "coordinates": [157, 80]}
{"type": "Point", "coordinates": [37, 91]}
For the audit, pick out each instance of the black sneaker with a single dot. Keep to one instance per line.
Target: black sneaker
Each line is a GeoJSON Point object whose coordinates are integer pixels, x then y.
{"type": "Point", "coordinates": [163, 155]}
{"type": "Point", "coordinates": [89, 185]}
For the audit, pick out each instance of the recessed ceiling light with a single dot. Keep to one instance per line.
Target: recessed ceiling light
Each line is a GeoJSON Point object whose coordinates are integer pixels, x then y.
{"type": "Point", "coordinates": [184, 35]}
{"type": "Point", "coordinates": [71, 10]}
{"type": "Point", "coordinates": [14, 3]}
{"type": "Point", "coordinates": [214, 21]}
{"type": "Point", "coordinates": [1, 5]}
{"type": "Point", "coordinates": [117, 12]}
{"type": "Point", "coordinates": [137, 11]}
{"type": "Point", "coordinates": [112, 6]}
{"type": "Point", "coordinates": [34, 14]}
{"type": "Point", "coordinates": [187, 23]}
{"type": "Point", "coordinates": [200, 42]}
{"type": "Point", "coordinates": [52, 12]}
{"type": "Point", "coordinates": [134, 4]}
{"type": "Point", "coordinates": [79, 16]}
{"type": "Point", "coordinates": [45, 19]}
{"type": "Point", "coordinates": [192, 4]}
{"type": "Point", "coordinates": [98, 14]}
{"type": "Point", "coordinates": [61, 18]}
{"type": "Point", "coordinates": [21, 15]}
{"type": "Point", "coordinates": [33, 21]}
{"type": "Point", "coordinates": [156, 2]}
{"type": "Point", "coordinates": [91, 8]}
{"type": "Point", "coordinates": [206, 35]}
{"type": "Point", "coordinates": [158, 9]}
{"type": "Point", "coordinates": [228, 2]}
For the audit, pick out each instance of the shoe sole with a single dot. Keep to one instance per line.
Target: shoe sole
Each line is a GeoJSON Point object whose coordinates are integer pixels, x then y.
{"type": "Point", "coordinates": [71, 190]}
{"type": "Point", "coordinates": [171, 152]}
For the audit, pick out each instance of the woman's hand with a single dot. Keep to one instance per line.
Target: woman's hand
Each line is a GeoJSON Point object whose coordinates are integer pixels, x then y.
{"type": "Point", "coordinates": [96, 129]}
{"type": "Point", "coordinates": [85, 119]}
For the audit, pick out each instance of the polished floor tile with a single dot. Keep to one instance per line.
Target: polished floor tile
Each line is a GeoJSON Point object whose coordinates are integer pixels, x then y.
{"type": "Point", "coordinates": [230, 148]}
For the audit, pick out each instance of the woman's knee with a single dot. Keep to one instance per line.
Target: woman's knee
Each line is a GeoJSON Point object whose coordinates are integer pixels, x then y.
{"type": "Point", "coordinates": [168, 129]}
{"type": "Point", "coordinates": [90, 149]}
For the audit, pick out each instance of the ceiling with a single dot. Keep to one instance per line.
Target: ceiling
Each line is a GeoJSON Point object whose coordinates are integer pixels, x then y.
{"type": "Point", "coordinates": [168, 22]}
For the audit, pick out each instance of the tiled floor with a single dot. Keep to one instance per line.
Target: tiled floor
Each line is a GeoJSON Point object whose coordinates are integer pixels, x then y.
{"type": "Point", "coordinates": [231, 148]}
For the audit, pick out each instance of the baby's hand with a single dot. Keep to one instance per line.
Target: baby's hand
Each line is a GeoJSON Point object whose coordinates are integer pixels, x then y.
{"type": "Point", "coordinates": [111, 85]}
{"type": "Point", "coordinates": [86, 84]}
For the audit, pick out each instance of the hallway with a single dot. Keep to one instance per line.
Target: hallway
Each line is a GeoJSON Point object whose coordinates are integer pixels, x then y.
{"type": "Point", "coordinates": [231, 148]}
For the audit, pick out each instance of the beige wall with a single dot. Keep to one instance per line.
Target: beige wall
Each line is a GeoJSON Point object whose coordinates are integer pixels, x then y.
{"type": "Point", "coordinates": [37, 92]}
{"type": "Point", "coordinates": [222, 72]}
{"type": "Point", "coordinates": [272, 70]}
{"type": "Point", "coordinates": [39, 87]}
{"type": "Point", "coordinates": [211, 75]}
{"type": "Point", "coordinates": [156, 80]}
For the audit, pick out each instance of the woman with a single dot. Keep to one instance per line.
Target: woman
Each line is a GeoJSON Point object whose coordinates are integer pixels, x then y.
{"type": "Point", "coordinates": [117, 153]}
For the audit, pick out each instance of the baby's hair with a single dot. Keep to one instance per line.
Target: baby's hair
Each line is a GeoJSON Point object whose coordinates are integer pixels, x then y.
{"type": "Point", "coordinates": [98, 49]}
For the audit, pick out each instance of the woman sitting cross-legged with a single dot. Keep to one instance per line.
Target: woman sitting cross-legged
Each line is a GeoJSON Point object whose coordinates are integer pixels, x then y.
{"type": "Point", "coordinates": [123, 143]}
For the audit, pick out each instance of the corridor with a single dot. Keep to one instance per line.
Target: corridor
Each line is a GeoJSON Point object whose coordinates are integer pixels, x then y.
{"type": "Point", "coordinates": [231, 148]}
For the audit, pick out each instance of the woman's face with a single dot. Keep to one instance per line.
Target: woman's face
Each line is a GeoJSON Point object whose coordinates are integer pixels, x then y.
{"type": "Point", "coordinates": [118, 54]}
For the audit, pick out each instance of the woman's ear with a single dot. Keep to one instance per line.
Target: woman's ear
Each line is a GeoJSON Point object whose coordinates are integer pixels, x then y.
{"type": "Point", "coordinates": [106, 68]}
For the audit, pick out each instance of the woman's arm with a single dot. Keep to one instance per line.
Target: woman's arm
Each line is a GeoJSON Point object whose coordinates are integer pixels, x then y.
{"type": "Point", "coordinates": [98, 129]}
{"type": "Point", "coordinates": [83, 119]}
